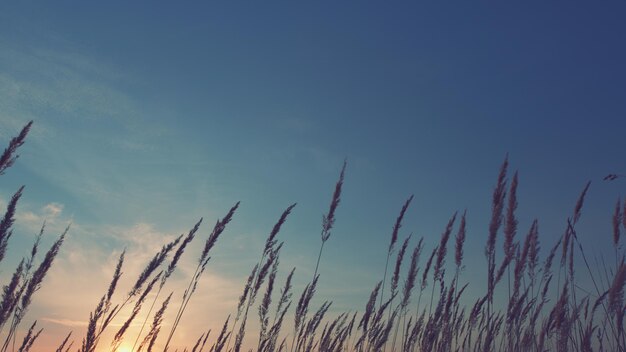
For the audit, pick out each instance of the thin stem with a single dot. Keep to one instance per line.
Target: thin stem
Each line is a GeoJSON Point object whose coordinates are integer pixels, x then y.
{"type": "Point", "coordinates": [256, 278]}
{"type": "Point", "coordinates": [382, 289]}
{"type": "Point", "coordinates": [432, 295]}
{"type": "Point", "coordinates": [182, 307]}
{"type": "Point", "coordinates": [318, 259]}
{"type": "Point", "coordinates": [146, 319]}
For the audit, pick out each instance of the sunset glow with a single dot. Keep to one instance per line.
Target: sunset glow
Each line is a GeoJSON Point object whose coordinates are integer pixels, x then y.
{"type": "Point", "coordinates": [270, 170]}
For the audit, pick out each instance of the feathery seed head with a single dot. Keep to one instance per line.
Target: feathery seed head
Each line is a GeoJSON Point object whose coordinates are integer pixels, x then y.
{"type": "Point", "coordinates": [617, 219]}
{"type": "Point", "coordinates": [328, 220]}
{"type": "Point", "coordinates": [219, 227]}
{"type": "Point", "coordinates": [398, 224]}
{"type": "Point", "coordinates": [270, 242]}
{"type": "Point", "coordinates": [442, 251]}
{"type": "Point", "coordinates": [460, 239]}
{"type": "Point", "coordinates": [8, 157]}
{"type": "Point", "coordinates": [579, 203]}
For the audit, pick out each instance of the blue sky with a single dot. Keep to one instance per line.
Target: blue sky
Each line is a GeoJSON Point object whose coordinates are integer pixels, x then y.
{"type": "Point", "coordinates": [149, 116]}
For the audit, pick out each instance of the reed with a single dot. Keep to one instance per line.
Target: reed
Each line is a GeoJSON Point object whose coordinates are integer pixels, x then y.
{"type": "Point", "coordinates": [540, 313]}
{"type": "Point", "coordinates": [259, 272]}
{"type": "Point", "coordinates": [459, 241]}
{"type": "Point", "coordinates": [497, 206]}
{"type": "Point", "coordinates": [169, 271]}
{"type": "Point", "coordinates": [8, 157]}
{"type": "Point", "coordinates": [64, 342]}
{"type": "Point", "coordinates": [392, 243]}
{"type": "Point", "coordinates": [30, 338]}
{"type": "Point", "coordinates": [328, 220]}
{"type": "Point", "coordinates": [218, 229]}
{"type": "Point", "coordinates": [155, 328]}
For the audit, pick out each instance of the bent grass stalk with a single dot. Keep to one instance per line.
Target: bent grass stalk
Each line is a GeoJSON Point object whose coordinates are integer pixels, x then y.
{"type": "Point", "coordinates": [392, 243]}
{"type": "Point", "coordinates": [168, 272]}
{"type": "Point", "coordinates": [219, 227]}
{"type": "Point", "coordinates": [270, 243]}
{"type": "Point", "coordinates": [529, 322]}
{"type": "Point", "coordinates": [328, 220]}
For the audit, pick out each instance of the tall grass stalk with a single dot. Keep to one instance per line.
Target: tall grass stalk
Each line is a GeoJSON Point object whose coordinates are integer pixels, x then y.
{"type": "Point", "coordinates": [219, 227]}
{"type": "Point", "coordinates": [254, 278]}
{"type": "Point", "coordinates": [497, 206]}
{"type": "Point", "coordinates": [328, 220]}
{"type": "Point", "coordinates": [392, 243]}
{"type": "Point", "coordinates": [32, 284]}
{"type": "Point", "coordinates": [541, 313]}
{"type": "Point", "coordinates": [394, 285]}
{"type": "Point", "coordinates": [168, 272]}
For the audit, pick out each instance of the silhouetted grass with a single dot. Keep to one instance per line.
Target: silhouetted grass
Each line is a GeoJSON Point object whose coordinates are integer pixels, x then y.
{"type": "Point", "coordinates": [537, 315]}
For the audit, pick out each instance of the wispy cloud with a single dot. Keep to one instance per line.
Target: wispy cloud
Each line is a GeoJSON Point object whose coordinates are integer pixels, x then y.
{"type": "Point", "coordinates": [67, 85]}
{"type": "Point", "coordinates": [59, 87]}
{"type": "Point", "coordinates": [67, 322]}
{"type": "Point", "coordinates": [87, 129]}
{"type": "Point", "coordinates": [86, 263]}
{"type": "Point", "coordinates": [30, 220]}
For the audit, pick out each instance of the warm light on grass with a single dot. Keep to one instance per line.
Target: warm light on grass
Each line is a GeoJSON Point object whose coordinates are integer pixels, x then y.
{"type": "Point", "coordinates": [124, 348]}
{"type": "Point", "coordinates": [530, 321]}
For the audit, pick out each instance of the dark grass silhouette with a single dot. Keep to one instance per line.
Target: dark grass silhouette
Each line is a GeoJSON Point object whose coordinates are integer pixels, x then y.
{"type": "Point", "coordinates": [544, 311]}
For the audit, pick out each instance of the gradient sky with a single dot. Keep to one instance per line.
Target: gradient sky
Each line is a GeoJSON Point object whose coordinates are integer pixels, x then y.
{"type": "Point", "coordinates": [151, 115]}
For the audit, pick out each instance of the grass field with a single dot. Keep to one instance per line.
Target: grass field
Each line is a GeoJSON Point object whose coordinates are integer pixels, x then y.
{"type": "Point", "coordinates": [531, 301]}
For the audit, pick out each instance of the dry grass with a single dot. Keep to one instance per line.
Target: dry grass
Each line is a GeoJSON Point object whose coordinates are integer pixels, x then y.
{"type": "Point", "coordinates": [529, 321]}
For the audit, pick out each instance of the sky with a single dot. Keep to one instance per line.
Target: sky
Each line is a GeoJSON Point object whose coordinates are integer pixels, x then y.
{"type": "Point", "coordinates": [150, 115]}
